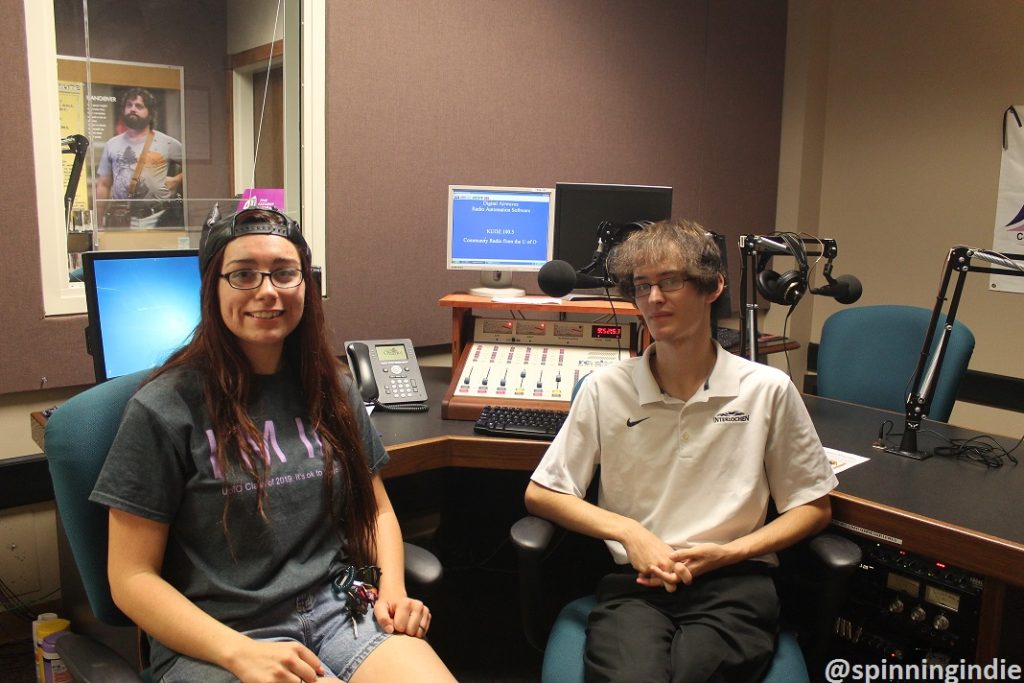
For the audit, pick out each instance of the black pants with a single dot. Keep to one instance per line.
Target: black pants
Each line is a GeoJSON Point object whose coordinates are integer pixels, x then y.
{"type": "Point", "coordinates": [720, 628]}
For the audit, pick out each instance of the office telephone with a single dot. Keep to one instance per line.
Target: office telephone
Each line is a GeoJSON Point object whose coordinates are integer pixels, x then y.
{"type": "Point", "coordinates": [387, 374]}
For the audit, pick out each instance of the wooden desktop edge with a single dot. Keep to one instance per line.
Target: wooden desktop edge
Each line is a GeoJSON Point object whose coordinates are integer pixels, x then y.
{"type": "Point", "coordinates": [975, 551]}
{"type": "Point", "coordinates": [996, 559]}
{"type": "Point", "coordinates": [971, 550]}
{"type": "Point", "coordinates": [462, 306]}
{"type": "Point", "coordinates": [992, 557]}
{"type": "Point", "coordinates": [543, 303]}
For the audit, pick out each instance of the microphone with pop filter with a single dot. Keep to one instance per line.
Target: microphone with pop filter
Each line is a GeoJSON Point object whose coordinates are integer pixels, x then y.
{"type": "Point", "coordinates": [558, 278]}
{"type": "Point", "coordinates": [845, 289]}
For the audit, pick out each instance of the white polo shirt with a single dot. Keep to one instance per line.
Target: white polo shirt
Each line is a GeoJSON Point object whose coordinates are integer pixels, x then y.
{"type": "Point", "coordinates": [696, 471]}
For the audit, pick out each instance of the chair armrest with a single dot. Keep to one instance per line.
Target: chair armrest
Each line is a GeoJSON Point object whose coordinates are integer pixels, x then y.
{"type": "Point", "coordinates": [831, 561]}
{"type": "Point", "coordinates": [834, 559]}
{"type": "Point", "coordinates": [422, 568]}
{"type": "Point", "coordinates": [532, 534]}
{"type": "Point", "coordinates": [836, 553]}
{"type": "Point", "coordinates": [89, 661]}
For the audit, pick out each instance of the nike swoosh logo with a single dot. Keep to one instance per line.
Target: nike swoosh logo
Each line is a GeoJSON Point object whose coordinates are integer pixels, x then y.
{"type": "Point", "coordinates": [634, 423]}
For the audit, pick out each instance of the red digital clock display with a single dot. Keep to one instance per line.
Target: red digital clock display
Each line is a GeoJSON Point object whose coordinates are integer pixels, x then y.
{"type": "Point", "coordinates": [606, 331]}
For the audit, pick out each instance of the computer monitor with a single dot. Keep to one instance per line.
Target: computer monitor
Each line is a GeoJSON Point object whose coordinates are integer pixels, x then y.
{"type": "Point", "coordinates": [722, 308]}
{"type": "Point", "coordinates": [581, 207]}
{"type": "Point", "coordinates": [498, 230]}
{"type": "Point", "coordinates": [142, 306]}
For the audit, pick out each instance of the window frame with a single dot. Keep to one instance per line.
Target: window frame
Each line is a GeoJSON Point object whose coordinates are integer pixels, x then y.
{"type": "Point", "coordinates": [60, 295]}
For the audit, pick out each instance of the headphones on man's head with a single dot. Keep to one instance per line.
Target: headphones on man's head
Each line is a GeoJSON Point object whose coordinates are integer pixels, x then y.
{"type": "Point", "coordinates": [786, 289]}
{"type": "Point", "coordinates": [611, 234]}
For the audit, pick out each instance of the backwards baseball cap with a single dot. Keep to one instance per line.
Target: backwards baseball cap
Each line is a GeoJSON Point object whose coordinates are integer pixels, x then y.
{"type": "Point", "coordinates": [218, 231]}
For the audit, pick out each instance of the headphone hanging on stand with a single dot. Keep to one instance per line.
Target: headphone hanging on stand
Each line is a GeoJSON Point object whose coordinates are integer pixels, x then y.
{"type": "Point", "coordinates": [788, 288]}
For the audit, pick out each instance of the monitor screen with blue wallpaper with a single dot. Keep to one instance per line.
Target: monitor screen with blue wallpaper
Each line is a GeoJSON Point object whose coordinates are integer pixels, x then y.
{"type": "Point", "coordinates": [499, 228]}
{"type": "Point", "coordinates": [142, 305]}
{"type": "Point", "coordinates": [497, 231]}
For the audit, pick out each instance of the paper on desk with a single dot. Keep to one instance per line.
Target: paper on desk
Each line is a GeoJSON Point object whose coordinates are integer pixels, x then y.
{"type": "Point", "coordinates": [841, 460]}
{"type": "Point", "coordinates": [526, 300]}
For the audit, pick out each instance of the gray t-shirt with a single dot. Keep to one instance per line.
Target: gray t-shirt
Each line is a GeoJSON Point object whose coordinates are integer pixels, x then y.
{"type": "Point", "coordinates": [120, 156]}
{"type": "Point", "coordinates": [160, 467]}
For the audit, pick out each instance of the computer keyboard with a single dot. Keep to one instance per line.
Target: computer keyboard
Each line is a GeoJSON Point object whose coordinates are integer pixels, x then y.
{"type": "Point", "coordinates": [520, 423]}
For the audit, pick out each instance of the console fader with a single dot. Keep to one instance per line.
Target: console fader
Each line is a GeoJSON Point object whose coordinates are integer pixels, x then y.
{"type": "Point", "coordinates": [516, 362]}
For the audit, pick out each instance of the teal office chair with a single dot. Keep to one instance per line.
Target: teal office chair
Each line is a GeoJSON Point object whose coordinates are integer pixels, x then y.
{"type": "Point", "coordinates": [78, 436]}
{"type": "Point", "coordinates": [556, 566]}
{"type": "Point", "coordinates": [867, 355]}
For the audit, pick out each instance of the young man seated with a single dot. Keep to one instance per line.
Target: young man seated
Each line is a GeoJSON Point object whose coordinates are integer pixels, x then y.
{"type": "Point", "coordinates": [691, 441]}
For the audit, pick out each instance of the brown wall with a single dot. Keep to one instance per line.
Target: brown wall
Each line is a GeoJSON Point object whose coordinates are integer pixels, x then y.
{"type": "Point", "coordinates": [32, 346]}
{"type": "Point", "coordinates": [421, 95]}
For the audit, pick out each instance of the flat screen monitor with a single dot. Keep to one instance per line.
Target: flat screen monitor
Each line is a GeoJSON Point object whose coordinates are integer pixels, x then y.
{"type": "Point", "coordinates": [498, 230]}
{"type": "Point", "coordinates": [581, 207]}
{"type": "Point", "coordinates": [722, 308]}
{"type": "Point", "coordinates": [142, 306]}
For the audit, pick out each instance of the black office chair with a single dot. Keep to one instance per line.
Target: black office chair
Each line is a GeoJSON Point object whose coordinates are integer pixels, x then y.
{"type": "Point", "coordinates": [811, 583]}
{"type": "Point", "coordinates": [77, 438]}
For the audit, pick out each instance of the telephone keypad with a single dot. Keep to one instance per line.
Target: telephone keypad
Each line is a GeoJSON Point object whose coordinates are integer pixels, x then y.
{"type": "Point", "coordinates": [400, 385]}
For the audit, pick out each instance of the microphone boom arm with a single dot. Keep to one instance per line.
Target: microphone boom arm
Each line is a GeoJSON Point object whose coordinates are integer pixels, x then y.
{"type": "Point", "coordinates": [77, 145]}
{"type": "Point", "coordinates": [926, 374]}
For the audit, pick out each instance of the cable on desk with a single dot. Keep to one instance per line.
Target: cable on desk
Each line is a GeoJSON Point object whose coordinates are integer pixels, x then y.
{"type": "Point", "coordinates": [983, 448]}
{"type": "Point", "coordinates": [883, 434]}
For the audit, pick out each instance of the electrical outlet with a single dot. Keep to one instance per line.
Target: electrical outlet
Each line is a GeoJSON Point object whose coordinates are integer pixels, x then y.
{"type": "Point", "coordinates": [19, 560]}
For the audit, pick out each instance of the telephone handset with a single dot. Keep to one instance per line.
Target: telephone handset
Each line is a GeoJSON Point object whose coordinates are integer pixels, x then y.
{"type": "Point", "coordinates": [387, 374]}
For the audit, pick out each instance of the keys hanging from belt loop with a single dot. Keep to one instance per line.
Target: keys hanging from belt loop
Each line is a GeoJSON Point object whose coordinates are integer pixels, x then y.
{"type": "Point", "coordinates": [360, 586]}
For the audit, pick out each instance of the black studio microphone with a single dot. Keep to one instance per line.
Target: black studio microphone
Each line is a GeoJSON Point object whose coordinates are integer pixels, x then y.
{"type": "Point", "coordinates": [558, 278]}
{"type": "Point", "coordinates": [845, 289]}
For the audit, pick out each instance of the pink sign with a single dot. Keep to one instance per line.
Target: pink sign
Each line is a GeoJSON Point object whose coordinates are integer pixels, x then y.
{"type": "Point", "coordinates": [262, 198]}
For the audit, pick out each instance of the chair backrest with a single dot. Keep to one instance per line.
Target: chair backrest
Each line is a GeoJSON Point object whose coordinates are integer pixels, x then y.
{"type": "Point", "coordinates": [868, 354]}
{"type": "Point", "coordinates": [78, 435]}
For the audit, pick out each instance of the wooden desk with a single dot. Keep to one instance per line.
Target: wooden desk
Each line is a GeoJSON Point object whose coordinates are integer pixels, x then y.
{"type": "Point", "coordinates": [462, 306]}
{"type": "Point", "coordinates": [956, 511]}
{"type": "Point", "coordinates": [463, 404]}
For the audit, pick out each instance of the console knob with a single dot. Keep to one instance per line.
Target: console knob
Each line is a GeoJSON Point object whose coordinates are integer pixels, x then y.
{"type": "Point", "coordinates": [941, 622]}
{"type": "Point", "coordinates": [896, 606]}
{"type": "Point", "coordinates": [918, 614]}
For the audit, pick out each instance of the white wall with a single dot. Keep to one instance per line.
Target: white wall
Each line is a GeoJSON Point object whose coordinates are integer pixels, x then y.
{"type": "Point", "coordinates": [911, 95]}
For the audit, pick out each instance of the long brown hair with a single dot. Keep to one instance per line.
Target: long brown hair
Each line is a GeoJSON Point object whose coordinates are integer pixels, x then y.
{"type": "Point", "coordinates": [227, 377]}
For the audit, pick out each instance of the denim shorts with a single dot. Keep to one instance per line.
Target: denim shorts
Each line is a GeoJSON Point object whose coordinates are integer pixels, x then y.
{"type": "Point", "coordinates": [317, 619]}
